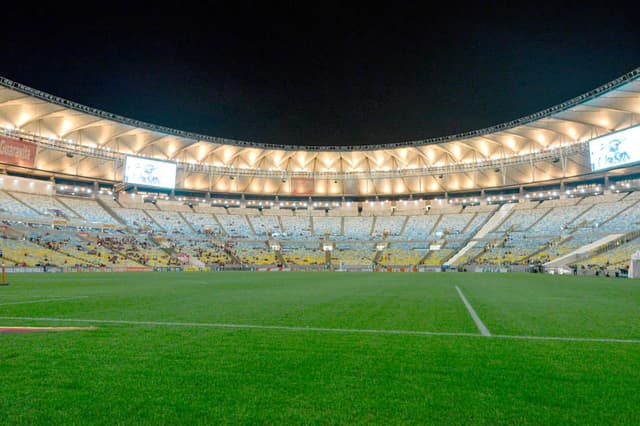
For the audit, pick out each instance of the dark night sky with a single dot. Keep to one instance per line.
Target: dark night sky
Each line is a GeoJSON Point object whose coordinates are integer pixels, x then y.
{"type": "Point", "coordinates": [320, 73]}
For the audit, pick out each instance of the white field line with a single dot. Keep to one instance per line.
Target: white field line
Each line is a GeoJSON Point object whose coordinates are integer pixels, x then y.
{"type": "Point", "coordinates": [322, 329]}
{"type": "Point", "coordinates": [58, 299]}
{"type": "Point", "coordinates": [247, 326]}
{"type": "Point", "coordinates": [244, 326]}
{"type": "Point", "coordinates": [568, 339]}
{"type": "Point", "coordinates": [481, 327]}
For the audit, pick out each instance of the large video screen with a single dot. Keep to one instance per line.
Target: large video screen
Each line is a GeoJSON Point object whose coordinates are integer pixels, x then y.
{"type": "Point", "coordinates": [143, 171]}
{"type": "Point", "coordinates": [615, 150]}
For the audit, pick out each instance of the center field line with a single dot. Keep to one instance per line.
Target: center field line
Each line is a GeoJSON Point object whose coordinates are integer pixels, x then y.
{"type": "Point", "coordinates": [483, 329]}
{"type": "Point", "coordinates": [57, 299]}
{"type": "Point", "coordinates": [324, 329]}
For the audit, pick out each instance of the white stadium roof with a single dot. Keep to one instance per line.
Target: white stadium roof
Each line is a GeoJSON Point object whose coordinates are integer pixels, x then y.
{"type": "Point", "coordinates": [77, 141]}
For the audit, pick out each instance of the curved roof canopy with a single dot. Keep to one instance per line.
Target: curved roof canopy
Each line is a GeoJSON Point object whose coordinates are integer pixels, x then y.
{"type": "Point", "coordinates": [76, 140]}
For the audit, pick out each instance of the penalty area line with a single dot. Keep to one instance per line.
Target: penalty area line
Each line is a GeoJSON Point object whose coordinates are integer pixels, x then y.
{"type": "Point", "coordinates": [481, 327]}
{"type": "Point", "coordinates": [57, 299]}
{"type": "Point", "coordinates": [244, 326]}
{"type": "Point", "coordinates": [568, 339]}
{"type": "Point", "coordinates": [322, 329]}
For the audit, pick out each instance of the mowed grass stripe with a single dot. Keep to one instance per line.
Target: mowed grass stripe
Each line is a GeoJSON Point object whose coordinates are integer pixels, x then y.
{"type": "Point", "coordinates": [156, 374]}
{"type": "Point", "coordinates": [324, 300]}
{"type": "Point", "coordinates": [552, 305]}
{"type": "Point", "coordinates": [509, 304]}
{"type": "Point", "coordinates": [171, 375]}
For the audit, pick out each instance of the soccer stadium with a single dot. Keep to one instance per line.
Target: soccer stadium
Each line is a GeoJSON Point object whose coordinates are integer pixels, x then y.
{"type": "Point", "coordinates": [156, 276]}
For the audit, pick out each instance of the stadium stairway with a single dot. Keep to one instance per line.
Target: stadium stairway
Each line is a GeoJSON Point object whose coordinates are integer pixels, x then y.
{"type": "Point", "coordinates": [280, 224]}
{"type": "Point", "coordinates": [276, 253]}
{"type": "Point", "coordinates": [110, 211]}
{"type": "Point", "coordinates": [11, 232]}
{"type": "Point", "coordinates": [404, 225]}
{"type": "Point", "coordinates": [196, 263]}
{"type": "Point", "coordinates": [219, 223]}
{"type": "Point", "coordinates": [379, 249]}
{"type": "Point", "coordinates": [10, 194]}
{"type": "Point", "coordinates": [189, 225]}
{"type": "Point", "coordinates": [498, 217]}
{"type": "Point", "coordinates": [583, 252]}
{"type": "Point", "coordinates": [233, 255]}
{"type": "Point", "coordinates": [67, 206]}
{"type": "Point", "coordinates": [153, 220]}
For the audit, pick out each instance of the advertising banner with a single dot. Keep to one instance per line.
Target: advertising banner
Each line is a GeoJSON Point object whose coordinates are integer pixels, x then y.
{"type": "Point", "coordinates": [302, 185]}
{"type": "Point", "coordinates": [17, 152]}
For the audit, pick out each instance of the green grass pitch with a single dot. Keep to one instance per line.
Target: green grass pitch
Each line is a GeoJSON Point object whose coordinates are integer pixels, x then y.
{"type": "Point", "coordinates": [320, 348]}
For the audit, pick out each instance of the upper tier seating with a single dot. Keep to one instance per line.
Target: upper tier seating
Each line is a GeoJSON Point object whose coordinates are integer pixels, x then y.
{"type": "Point", "coordinates": [137, 219]}
{"type": "Point", "coordinates": [357, 228]}
{"type": "Point", "coordinates": [392, 225]}
{"type": "Point", "coordinates": [172, 222]}
{"type": "Point", "coordinates": [89, 209]}
{"type": "Point", "coordinates": [235, 225]}
{"type": "Point", "coordinates": [202, 223]}
{"type": "Point", "coordinates": [297, 227]}
{"type": "Point", "coordinates": [323, 225]}
{"type": "Point", "coordinates": [46, 205]}
{"type": "Point", "coordinates": [11, 206]}
{"type": "Point", "coordinates": [265, 226]}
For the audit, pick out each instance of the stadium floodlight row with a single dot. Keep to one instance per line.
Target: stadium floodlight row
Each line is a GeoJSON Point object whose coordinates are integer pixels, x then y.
{"type": "Point", "coordinates": [44, 136]}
